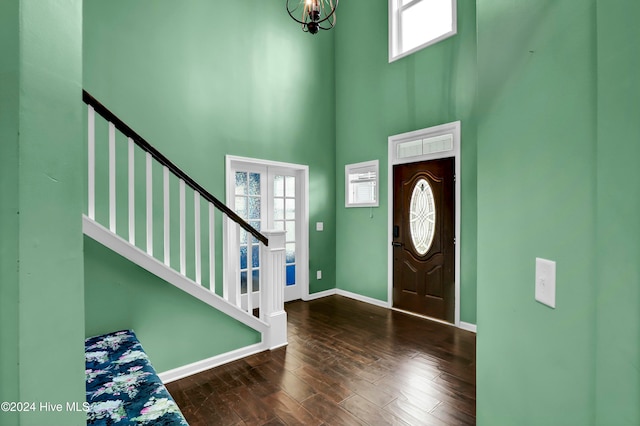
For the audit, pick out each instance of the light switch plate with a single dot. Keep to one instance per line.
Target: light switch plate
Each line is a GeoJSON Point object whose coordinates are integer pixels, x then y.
{"type": "Point", "coordinates": [319, 226]}
{"type": "Point", "coordinates": [546, 282]}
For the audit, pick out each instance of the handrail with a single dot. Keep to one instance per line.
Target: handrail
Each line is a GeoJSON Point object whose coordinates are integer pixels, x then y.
{"type": "Point", "coordinates": [147, 147]}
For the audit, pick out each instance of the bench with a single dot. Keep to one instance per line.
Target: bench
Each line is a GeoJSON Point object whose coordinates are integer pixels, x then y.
{"type": "Point", "coordinates": [122, 386]}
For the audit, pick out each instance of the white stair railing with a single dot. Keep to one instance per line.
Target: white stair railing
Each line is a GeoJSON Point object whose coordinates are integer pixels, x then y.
{"type": "Point", "coordinates": [149, 203]}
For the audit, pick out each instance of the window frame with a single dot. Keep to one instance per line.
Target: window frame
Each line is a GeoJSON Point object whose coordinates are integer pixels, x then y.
{"type": "Point", "coordinates": [365, 166]}
{"type": "Point", "coordinates": [395, 29]}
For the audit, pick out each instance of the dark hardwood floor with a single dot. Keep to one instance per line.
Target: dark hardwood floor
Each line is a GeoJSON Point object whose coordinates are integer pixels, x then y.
{"type": "Point", "coordinates": [347, 363]}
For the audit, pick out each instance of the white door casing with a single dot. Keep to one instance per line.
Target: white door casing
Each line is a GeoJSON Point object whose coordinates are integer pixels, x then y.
{"type": "Point", "coordinates": [277, 192]}
{"type": "Point", "coordinates": [422, 145]}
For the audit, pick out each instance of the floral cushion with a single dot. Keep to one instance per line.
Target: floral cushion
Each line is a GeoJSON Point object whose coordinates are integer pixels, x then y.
{"type": "Point", "coordinates": [122, 386]}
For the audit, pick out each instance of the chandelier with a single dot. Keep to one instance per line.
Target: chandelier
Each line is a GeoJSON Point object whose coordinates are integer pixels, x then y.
{"type": "Point", "coordinates": [314, 14]}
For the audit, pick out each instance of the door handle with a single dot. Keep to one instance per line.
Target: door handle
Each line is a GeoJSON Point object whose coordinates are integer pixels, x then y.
{"type": "Point", "coordinates": [396, 244]}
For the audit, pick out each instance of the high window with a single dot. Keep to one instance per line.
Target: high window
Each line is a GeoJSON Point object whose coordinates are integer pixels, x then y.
{"type": "Point", "coordinates": [416, 24]}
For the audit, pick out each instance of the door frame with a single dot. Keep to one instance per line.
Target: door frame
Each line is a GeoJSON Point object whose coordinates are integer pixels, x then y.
{"type": "Point", "coordinates": [453, 129]}
{"type": "Point", "coordinates": [302, 194]}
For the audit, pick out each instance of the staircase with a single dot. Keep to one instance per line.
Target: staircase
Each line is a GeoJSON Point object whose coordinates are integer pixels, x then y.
{"type": "Point", "coordinates": [186, 256]}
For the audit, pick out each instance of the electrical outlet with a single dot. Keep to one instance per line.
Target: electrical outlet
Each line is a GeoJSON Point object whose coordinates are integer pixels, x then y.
{"type": "Point", "coordinates": [546, 282]}
{"type": "Point", "coordinates": [319, 226]}
{"type": "Point", "coordinates": [319, 275]}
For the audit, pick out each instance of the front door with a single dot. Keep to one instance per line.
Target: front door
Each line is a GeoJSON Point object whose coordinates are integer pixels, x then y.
{"type": "Point", "coordinates": [423, 238]}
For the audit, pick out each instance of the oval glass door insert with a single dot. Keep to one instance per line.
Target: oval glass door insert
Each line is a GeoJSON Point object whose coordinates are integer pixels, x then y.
{"type": "Point", "coordinates": [422, 216]}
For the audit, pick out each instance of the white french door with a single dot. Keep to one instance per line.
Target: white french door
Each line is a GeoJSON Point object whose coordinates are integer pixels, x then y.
{"type": "Point", "coordinates": [270, 195]}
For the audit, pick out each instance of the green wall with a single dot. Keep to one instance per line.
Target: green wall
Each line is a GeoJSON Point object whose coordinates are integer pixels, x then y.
{"type": "Point", "coordinates": [42, 281]}
{"type": "Point", "coordinates": [9, 95]}
{"type": "Point", "coordinates": [536, 198]}
{"type": "Point", "coordinates": [618, 246]}
{"type": "Point", "coordinates": [557, 138]}
{"type": "Point", "coordinates": [204, 79]}
{"type": "Point", "coordinates": [375, 100]}
{"type": "Point", "coordinates": [176, 329]}
{"type": "Point", "coordinates": [556, 177]}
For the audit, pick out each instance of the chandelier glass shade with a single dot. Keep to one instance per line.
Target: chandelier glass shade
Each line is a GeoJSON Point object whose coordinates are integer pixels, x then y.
{"type": "Point", "coordinates": [313, 15]}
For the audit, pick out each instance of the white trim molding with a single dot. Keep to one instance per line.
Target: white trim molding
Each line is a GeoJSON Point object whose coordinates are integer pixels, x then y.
{"type": "Point", "coordinates": [350, 295]}
{"type": "Point", "coordinates": [233, 163]}
{"type": "Point", "coordinates": [206, 364]}
{"type": "Point", "coordinates": [331, 292]}
{"type": "Point", "coordinates": [468, 326]}
{"type": "Point", "coordinates": [320, 295]}
{"type": "Point", "coordinates": [362, 298]}
{"type": "Point", "coordinates": [423, 145]}
{"type": "Point", "coordinates": [396, 11]}
{"type": "Point", "coordinates": [370, 171]}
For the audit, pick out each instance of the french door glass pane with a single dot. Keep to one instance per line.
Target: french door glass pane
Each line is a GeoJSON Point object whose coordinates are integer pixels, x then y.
{"type": "Point", "coordinates": [290, 186]}
{"type": "Point", "coordinates": [248, 201]}
{"type": "Point", "coordinates": [241, 183]}
{"type": "Point", "coordinates": [256, 280]}
{"type": "Point", "coordinates": [278, 208]}
{"type": "Point", "coordinates": [290, 250]}
{"type": "Point", "coordinates": [241, 206]}
{"type": "Point", "coordinates": [254, 207]}
{"type": "Point", "coordinates": [291, 231]}
{"type": "Point", "coordinates": [291, 274]}
{"type": "Point", "coordinates": [254, 184]}
{"type": "Point", "coordinates": [255, 256]}
{"type": "Point", "coordinates": [243, 257]}
{"type": "Point", "coordinates": [284, 203]}
{"type": "Point", "coordinates": [255, 224]}
{"type": "Point", "coordinates": [290, 208]}
{"type": "Point", "coordinates": [278, 186]}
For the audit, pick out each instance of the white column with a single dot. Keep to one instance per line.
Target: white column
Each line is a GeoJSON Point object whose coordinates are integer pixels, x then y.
{"type": "Point", "coordinates": [272, 258]}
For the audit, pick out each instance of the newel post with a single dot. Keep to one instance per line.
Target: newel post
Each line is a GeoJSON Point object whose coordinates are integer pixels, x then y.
{"type": "Point", "coordinates": [272, 292]}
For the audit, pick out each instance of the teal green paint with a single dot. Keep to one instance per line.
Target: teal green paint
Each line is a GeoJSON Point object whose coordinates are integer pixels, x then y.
{"type": "Point", "coordinates": [42, 285]}
{"type": "Point", "coordinates": [174, 328]}
{"type": "Point", "coordinates": [375, 100]}
{"type": "Point", "coordinates": [536, 198]}
{"type": "Point", "coordinates": [198, 92]}
{"type": "Point", "coordinates": [9, 95]}
{"type": "Point", "coordinates": [618, 248]}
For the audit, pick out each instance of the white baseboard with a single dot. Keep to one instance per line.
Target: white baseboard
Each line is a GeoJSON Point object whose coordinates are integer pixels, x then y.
{"type": "Point", "coordinates": [348, 294]}
{"type": "Point", "coordinates": [468, 326]}
{"type": "Point", "coordinates": [362, 298]}
{"type": "Point", "coordinates": [463, 325]}
{"type": "Point", "coordinates": [206, 364]}
{"type": "Point", "coordinates": [320, 295]}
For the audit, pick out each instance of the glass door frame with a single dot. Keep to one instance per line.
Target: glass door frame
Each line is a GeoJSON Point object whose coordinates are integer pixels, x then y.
{"type": "Point", "coordinates": [301, 172]}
